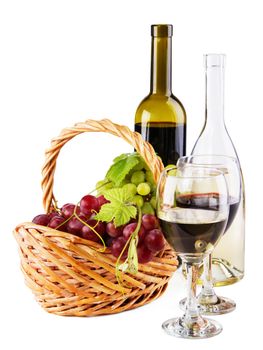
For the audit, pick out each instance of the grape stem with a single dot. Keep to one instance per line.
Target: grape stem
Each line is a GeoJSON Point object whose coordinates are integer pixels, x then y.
{"type": "Point", "coordinates": [97, 188]}
{"type": "Point", "coordinates": [84, 223]}
{"type": "Point", "coordinates": [55, 205]}
{"type": "Point", "coordinates": [131, 262]}
{"type": "Point", "coordinates": [92, 229]}
{"type": "Point", "coordinates": [64, 222]}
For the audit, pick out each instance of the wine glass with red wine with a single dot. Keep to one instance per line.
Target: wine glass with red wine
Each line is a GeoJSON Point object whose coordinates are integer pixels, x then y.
{"type": "Point", "coordinates": [192, 232]}
{"type": "Point", "coordinates": [210, 303]}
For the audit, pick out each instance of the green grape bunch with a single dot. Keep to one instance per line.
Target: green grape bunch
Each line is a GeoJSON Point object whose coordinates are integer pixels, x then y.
{"type": "Point", "coordinates": [131, 173]}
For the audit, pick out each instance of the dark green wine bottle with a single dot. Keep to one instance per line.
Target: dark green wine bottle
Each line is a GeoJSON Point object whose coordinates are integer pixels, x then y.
{"type": "Point", "coordinates": [161, 117]}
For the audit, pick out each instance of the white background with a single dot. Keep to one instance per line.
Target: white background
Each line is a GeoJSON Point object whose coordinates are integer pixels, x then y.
{"type": "Point", "coordinates": [65, 61]}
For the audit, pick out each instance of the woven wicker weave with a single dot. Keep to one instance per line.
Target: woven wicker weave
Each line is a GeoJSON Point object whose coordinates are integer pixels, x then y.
{"type": "Point", "coordinates": [67, 274]}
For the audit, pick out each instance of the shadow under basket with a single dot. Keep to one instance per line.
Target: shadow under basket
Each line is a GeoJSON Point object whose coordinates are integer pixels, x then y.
{"type": "Point", "coordinates": [71, 276]}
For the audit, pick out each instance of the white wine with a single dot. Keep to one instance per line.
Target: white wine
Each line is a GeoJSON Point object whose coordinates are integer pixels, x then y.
{"type": "Point", "coordinates": [228, 256]}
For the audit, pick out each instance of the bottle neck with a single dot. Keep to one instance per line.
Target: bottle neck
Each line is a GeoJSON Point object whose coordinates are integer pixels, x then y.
{"type": "Point", "coordinates": [161, 66]}
{"type": "Point", "coordinates": [214, 114]}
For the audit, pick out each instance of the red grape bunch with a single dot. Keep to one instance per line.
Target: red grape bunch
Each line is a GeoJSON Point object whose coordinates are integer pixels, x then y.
{"type": "Point", "coordinates": [151, 239]}
{"type": "Point", "coordinates": [77, 219]}
{"type": "Point", "coordinates": [82, 224]}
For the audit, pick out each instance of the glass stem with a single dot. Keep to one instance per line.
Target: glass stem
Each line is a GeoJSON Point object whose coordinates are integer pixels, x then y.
{"type": "Point", "coordinates": [208, 295]}
{"type": "Point", "coordinates": [192, 315]}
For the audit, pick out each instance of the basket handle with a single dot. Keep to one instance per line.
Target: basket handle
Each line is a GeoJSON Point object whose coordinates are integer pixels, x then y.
{"type": "Point", "coordinates": [144, 148]}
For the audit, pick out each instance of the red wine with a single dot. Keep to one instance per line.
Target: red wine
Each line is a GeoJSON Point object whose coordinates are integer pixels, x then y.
{"type": "Point", "coordinates": [207, 201]}
{"type": "Point", "coordinates": [167, 139]}
{"type": "Point", "coordinates": [192, 238]}
{"type": "Point", "coordinates": [160, 116]}
{"type": "Point", "coordinates": [233, 207]}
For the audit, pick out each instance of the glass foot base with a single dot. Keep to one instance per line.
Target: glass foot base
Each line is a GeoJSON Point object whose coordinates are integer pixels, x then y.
{"type": "Point", "coordinates": [177, 328]}
{"type": "Point", "coordinates": [222, 306]}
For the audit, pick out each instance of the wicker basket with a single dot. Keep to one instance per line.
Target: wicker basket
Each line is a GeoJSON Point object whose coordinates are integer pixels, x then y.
{"type": "Point", "coordinates": [67, 274]}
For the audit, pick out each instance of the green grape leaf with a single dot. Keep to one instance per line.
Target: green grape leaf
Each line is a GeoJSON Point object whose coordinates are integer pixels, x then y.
{"type": "Point", "coordinates": [121, 167]}
{"type": "Point", "coordinates": [120, 157]}
{"type": "Point", "coordinates": [120, 208]}
{"type": "Point", "coordinates": [119, 195]}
